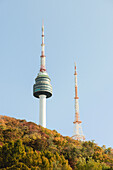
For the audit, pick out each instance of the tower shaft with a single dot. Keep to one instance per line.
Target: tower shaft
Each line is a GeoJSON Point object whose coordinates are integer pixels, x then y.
{"type": "Point", "coordinates": [42, 110]}
{"type": "Point", "coordinates": [78, 134]}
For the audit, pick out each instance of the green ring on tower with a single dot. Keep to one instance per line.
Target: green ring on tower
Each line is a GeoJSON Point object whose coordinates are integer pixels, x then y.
{"type": "Point", "coordinates": [42, 85]}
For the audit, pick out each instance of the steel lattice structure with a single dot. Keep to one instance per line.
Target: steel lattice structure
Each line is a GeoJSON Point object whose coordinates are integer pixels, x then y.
{"type": "Point", "coordinates": [78, 133]}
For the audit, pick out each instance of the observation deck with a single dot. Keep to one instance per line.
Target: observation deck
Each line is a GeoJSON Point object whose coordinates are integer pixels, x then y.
{"type": "Point", "coordinates": [42, 85]}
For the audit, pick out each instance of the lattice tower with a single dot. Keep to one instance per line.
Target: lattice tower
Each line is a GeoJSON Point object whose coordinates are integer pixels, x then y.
{"type": "Point", "coordinates": [78, 133]}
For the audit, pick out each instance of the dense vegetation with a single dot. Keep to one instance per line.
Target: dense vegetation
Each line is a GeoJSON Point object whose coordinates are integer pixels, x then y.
{"type": "Point", "coordinates": [25, 145]}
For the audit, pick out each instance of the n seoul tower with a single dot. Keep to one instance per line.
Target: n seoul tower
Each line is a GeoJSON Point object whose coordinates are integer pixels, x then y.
{"type": "Point", "coordinates": [78, 134]}
{"type": "Point", "coordinates": [42, 88]}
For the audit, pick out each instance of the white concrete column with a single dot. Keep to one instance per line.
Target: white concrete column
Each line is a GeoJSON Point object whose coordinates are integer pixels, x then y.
{"type": "Point", "coordinates": [42, 110]}
{"type": "Point", "coordinates": [43, 62]}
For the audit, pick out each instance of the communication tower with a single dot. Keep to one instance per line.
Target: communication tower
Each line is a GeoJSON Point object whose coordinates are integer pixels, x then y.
{"type": "Point", "coordinates": [42, 88]}
{"type": "Point", "coordinates": [78, 134]}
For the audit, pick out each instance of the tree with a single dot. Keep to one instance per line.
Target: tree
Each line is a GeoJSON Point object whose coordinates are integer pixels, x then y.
{"type": "Point", "coordinates": [45, 163]}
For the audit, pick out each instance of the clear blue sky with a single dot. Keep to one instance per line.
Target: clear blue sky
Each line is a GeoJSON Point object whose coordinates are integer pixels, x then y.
{"type": "Point", "coordinates": [80, 31]}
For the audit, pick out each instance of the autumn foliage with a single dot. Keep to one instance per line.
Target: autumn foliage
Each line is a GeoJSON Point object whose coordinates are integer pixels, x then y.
{"type": "Point", "coordinates": [27, 146]}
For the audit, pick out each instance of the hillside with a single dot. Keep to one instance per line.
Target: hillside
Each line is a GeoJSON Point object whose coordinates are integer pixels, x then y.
{"type": "Point", "coordinates": [25, 145]}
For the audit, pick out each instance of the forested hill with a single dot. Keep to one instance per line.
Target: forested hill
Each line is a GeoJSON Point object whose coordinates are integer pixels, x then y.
{"type": "Point", "coordinates": [25, 145]}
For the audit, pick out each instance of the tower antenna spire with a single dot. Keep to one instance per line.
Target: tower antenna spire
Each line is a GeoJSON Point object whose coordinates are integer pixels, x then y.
{"type": "Point", "coordinates": [78, 134]}
{"type": "Point", "coordinates": [43, 61]}
{"type": "Point", "coordinates": [43, 50]}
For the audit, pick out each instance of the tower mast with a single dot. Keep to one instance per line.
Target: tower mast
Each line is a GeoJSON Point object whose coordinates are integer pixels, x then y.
{"type": "Point", "coordinates": [78, 134]}
{"type": "Point", "coordinates": [42, 68]}
{"type": "Point", "coordinates": [42, 88]}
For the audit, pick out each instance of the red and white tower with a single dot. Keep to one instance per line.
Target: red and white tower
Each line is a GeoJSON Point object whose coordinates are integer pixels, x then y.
{"type": "Point", "coordinates": [78, 134]}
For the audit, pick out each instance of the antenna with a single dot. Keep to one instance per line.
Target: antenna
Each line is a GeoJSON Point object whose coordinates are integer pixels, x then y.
{"type": "Point", "coordinates": [78, 134]}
